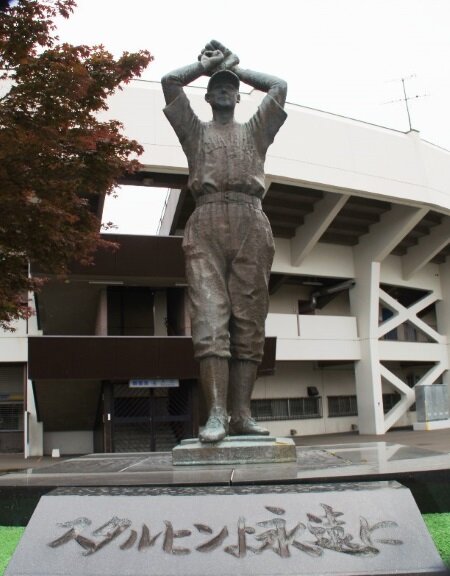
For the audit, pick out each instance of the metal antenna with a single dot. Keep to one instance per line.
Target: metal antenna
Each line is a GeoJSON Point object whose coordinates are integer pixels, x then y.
{"type": "Point", "coordinates": [405, 97]}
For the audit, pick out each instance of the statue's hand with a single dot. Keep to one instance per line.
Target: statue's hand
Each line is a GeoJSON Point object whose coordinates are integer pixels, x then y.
{"type": "Point", "coordinates": [211, 59]}
{"type": "Point", "coordinates": [229, 61]}
{"type": "Point", "coordinates": [230, 58]}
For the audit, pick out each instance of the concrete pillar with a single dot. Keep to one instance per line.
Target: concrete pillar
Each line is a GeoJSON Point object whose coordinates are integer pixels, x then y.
{"type": "Point", "coordinates": [364, 305]}
{"type": "Point", "coordinates": [101, 321]}
{"type": "Point", "coordinates": [33, 429]}
{"type": "Point", "coordinates": [443, 312]}
{"type": "Point", "coordinates": [372, 249]}
{"type": "Point", "coordinates": [160, 307]}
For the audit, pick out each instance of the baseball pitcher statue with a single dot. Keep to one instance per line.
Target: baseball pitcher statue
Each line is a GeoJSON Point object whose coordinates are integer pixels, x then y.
{"type": "Point", "coordinates": [228, 241]}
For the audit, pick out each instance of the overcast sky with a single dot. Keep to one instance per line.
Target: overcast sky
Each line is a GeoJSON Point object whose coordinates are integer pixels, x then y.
{"type": "Point", "coordinates": [342, 56]}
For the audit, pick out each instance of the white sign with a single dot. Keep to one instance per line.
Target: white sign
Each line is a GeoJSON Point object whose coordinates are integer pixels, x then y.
{"type": "Point", "coordinates": [141, 383]}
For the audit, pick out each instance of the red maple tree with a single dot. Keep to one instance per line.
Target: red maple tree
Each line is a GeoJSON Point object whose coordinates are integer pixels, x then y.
{"type": "Point", "coordinates": [56, 155]}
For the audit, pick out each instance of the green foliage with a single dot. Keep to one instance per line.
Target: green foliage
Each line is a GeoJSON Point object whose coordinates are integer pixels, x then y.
{"type": "Point", "coordinates": [439, 527]}
{"type": "Point", "coordinates": [9, 538]}
{"type": "Point", "coordinates": [56, 156]}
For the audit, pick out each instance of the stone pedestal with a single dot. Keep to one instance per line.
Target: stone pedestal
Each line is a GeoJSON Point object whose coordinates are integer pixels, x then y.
{"type": "Point", "coordinates": [357, 528]}
{"type": "Point", "coordinates": [235, 450]}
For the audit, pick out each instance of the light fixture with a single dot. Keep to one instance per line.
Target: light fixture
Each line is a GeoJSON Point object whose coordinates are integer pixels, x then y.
{"type": "Point", "coordinates": [106, 282]}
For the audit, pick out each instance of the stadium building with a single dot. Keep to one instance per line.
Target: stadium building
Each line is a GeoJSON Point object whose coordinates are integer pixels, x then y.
{"type": "Point", "coordinates": [359, 296]}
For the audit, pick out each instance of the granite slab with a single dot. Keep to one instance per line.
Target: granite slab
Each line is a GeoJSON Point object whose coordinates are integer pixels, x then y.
{"type": "Point", "coordinates": [354, 528]}
{"type": "Point", "coordinates": [334, 462]}
{"type": "Point", "coordinates": [235, 450]}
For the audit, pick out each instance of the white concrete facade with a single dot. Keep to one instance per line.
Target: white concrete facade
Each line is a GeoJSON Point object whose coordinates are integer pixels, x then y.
{"type": "Point", "coordinates": [342, 158]}
{"type": "Point", "coordinates": [325, 151]}
{"type": "Point", "coordinates": [14, 352]}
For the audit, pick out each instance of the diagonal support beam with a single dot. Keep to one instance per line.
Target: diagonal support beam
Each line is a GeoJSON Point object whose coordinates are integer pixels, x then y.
{"type": "Point", "coordinates": [397, 383]}
{"type": "Point", "coordinates": [315, 224]}
{"type": "Point", "coordinates": [404, 314]}
{"type": "Point", "coordinates": [418, 256]}
{"type": "Point", "coordinates": [386, 234]}
{"type": "Point", "coordinates": [407, 397]}
{"type": "Point", "coordinates": [414, 309]}
{"type": "Point", "coordinates": [432, 375]}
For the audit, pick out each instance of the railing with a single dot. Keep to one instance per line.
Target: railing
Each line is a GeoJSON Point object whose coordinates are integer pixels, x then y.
{"type": "Point", "coordinates": [311, 326]}
{"type": "Point", "coordinates": [314, 337]}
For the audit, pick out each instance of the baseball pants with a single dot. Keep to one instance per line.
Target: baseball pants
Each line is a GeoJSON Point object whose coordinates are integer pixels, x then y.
{"type": "Point", "coordinates": [229, 251]}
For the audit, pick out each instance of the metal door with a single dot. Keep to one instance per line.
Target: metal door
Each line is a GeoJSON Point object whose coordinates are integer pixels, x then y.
{"type": "Point", "coordinates": [150, 419]}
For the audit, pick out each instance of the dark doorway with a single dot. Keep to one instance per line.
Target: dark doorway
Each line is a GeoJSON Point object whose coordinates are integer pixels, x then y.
{"type": "Point", "coordinates": [130, 311]}
{"type": "Point", "coordinates": [12, 386]}
{"type": "Point", "coordinates": [150, 419]}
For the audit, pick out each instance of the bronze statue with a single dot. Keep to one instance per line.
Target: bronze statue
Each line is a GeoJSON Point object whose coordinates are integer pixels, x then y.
{"type": "Point", "coordinates": [228, 241]}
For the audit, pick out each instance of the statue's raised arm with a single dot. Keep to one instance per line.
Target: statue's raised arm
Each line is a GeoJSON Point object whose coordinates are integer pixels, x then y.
{"type": "Point", "coordinates": [275, 87]}
{"type": "Point", "coordinates": [173, 82]}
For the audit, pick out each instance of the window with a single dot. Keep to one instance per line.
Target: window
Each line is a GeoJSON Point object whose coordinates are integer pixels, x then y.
{"type": "Point", "coordinates": [342, 406]}
{"type": "Point", "coordinates": [389, 401]}
{"type": "Point", "coordinates": [386, 313]}
{"type": "Point", "coordinates": [11, 416]}
{"type": "Point", "coordinates": [11, 398]}
{"type": "Point", "coordinates": [305, 407]}
{"type": "Point", "coordinates": [287, 408]}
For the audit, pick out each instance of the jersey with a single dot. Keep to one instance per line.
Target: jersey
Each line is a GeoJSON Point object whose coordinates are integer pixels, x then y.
{"type": "Point", "coordinates": [228, 157]}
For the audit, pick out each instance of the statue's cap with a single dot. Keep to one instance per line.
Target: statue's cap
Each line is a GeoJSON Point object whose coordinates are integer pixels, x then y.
{"type": "Point", "coordinates": [222, 77]}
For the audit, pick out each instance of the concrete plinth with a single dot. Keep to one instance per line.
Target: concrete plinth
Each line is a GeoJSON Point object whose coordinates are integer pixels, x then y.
{"type": "Point", "coordinates": [235, 450]}
{"type": "Point", "coordinates": [432, 425]}
{"type": "Point", "coordinates": [357, 529]}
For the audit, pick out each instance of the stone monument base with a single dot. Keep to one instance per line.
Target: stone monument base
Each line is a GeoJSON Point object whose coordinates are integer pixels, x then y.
{"type": "Point", "coordinates": [235, 450]}
{"type": "Point", "coordinates": [357, 529]}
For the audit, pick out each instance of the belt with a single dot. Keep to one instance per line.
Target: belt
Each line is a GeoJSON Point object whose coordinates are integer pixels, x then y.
{"type": "Point", "coordinates": [235, 197]}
